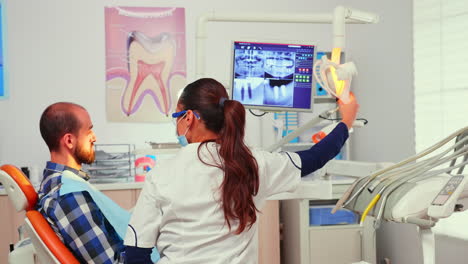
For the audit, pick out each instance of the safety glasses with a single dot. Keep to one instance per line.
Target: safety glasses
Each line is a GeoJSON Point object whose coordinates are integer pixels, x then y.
{"type": "Point", "coordinates": [182, 113]}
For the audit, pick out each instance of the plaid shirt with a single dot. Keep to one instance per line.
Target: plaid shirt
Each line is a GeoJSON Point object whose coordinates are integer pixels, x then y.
{"type": "Point", "coordinates": [77, 220]}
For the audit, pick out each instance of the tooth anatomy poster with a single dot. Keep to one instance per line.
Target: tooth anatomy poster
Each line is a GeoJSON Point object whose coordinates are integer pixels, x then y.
{"type": "Point", "coordinates": [145, 62]}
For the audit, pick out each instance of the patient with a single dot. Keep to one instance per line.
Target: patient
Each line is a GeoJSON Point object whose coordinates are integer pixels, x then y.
{"type": "Point", "coordinates": [75, 213]}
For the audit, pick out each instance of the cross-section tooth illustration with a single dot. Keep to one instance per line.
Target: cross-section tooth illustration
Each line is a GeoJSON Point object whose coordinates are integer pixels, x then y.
{"type": "Point", "coordinates": [150, 62]}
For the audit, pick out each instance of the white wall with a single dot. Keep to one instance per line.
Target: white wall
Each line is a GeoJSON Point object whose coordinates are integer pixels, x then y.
{"type": "Point", "coordinates": [55, 51]}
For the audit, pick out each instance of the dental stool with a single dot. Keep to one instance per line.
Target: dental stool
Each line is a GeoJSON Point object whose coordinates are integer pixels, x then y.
{"type": "Point", "coordinates": [48, 248]}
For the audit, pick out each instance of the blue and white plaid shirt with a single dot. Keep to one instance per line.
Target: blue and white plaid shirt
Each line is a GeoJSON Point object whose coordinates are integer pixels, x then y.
{"type": "Point", "coordinates": [77, 220]}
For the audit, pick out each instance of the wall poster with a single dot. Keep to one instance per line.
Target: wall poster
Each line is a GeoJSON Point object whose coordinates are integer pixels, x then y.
{"type": "Point", "coordinates": [145, 62]}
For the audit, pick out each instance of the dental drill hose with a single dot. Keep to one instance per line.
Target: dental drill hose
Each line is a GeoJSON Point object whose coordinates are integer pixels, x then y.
{"type": "Point", "coordinates": [345, 200]}
{"type": "Point", "coordinates": [345, 196]}
{"type": "Point", "coordinates": [410, 174]}
{"type": "Point", "coordinates": [396, 183]}
{"type": "Point", "coordinates": [369, 207]}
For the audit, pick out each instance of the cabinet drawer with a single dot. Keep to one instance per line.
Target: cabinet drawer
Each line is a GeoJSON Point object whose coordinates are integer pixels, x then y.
{"type": "Point", "coordinates": [335, 244]}
{"type": "Point", "coordinates": [124, 198]}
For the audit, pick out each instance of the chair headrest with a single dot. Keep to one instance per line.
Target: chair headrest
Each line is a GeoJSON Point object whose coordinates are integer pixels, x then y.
{"type": "Point", "coordinates": [18, 187]}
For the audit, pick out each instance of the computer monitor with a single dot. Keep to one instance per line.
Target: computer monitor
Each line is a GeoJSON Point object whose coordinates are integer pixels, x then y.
{"type": "Point", "coordinates": [273, 76]}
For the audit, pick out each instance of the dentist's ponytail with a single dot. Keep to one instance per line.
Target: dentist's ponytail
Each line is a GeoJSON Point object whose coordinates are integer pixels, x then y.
{"type": "Point", "coordinates": [240, 168]}
{"type": "Point", "coordinates": [226, 118]}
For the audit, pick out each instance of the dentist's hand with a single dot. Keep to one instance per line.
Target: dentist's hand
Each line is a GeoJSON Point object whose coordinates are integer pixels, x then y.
{"type": "Point", "coordinates": [349, 110]}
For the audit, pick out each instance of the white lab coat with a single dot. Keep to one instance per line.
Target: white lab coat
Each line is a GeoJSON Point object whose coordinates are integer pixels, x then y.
{"type": "Point", "coordinates": [179, 210]}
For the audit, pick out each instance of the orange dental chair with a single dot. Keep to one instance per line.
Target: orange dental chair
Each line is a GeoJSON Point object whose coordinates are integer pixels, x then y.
{"type": "Point", "coordinates": [47, 245]}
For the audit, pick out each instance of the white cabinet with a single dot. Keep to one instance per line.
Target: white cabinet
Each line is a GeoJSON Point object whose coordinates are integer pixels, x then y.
{"type": "Point", "coordinates": [268, 230]}
{"type": "Point", "coordinates": [10, 220]}
{"type": "Point", "coordinates": [335, 244]}
{"type": "Point", "coordinates": [304, 244]}
{"type": "Point", "coordinates": [125, 198]}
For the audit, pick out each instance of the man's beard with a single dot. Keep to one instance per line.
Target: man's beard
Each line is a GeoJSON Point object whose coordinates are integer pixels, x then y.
{"type": "Point", "coordinates": [83, 156]}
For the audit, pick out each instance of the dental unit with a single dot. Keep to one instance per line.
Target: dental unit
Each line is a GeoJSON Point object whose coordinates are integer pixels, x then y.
{"type": "Point", "coordinates": [419, 190]}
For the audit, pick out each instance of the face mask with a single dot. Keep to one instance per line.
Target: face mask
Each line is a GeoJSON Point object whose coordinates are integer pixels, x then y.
{"type": "Point", "coordinates": [182, 139]}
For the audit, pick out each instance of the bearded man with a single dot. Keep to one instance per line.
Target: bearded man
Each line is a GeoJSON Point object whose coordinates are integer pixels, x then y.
{"type": "Point", "coordinates": [74, 215]}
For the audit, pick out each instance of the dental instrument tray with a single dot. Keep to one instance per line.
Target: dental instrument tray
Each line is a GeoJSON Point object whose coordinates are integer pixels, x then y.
{"type": "Point", "coordinates": [113, 163]}
{"type": "Point", "coordinates": [166, 145]}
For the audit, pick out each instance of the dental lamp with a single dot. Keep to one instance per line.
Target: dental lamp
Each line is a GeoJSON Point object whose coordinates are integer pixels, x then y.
{"type": "Point", "coordinates": [335, 78]}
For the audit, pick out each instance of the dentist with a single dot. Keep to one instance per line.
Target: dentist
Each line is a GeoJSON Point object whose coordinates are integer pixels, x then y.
{"type": "Point", "coordinates": [201, 206]}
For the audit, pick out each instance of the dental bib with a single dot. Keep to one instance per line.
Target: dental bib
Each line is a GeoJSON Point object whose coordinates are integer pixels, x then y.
{"type": "Point", "coordinates": [116, 215]}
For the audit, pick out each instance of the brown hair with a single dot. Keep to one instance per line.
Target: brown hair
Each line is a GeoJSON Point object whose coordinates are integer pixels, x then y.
{"type": "Point", "coordinates": [226, 118]}
{"type": "Point", "coordinates": [57, 120]}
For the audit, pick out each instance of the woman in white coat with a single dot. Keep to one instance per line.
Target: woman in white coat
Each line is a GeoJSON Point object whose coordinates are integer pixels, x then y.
{"type": "Point", "coordinates": [201, 206]}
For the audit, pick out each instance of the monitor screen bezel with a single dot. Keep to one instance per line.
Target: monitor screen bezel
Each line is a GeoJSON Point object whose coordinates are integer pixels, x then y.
{"type": "Point", "coordinates": [274, 108]}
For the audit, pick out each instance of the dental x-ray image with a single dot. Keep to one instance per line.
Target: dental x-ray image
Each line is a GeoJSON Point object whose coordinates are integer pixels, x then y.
{"type": "Point", "coordinates": [249, 63]}
{"type": "Point", "coordinates": [279, 64]}
{"type": "Point", "coordinates": [264, 77]}
{"type": "Point", "coordinates": [278, 92]}
{"type": "Point", "coordinates": [249, 91]}
{"type": "Point", "coordinates": [273, 76]}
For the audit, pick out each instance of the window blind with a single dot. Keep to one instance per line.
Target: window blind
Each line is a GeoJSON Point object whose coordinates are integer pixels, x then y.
{"type": "Point", "coordinates": [440, 37]}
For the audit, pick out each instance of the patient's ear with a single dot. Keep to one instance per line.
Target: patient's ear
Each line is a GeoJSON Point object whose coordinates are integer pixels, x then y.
{"type": "Point", "coordinates": [69, 141]}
